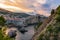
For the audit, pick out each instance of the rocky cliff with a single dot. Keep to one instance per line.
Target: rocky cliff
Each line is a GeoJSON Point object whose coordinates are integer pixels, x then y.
{"type": "Point", "coordinates": [50, 29]}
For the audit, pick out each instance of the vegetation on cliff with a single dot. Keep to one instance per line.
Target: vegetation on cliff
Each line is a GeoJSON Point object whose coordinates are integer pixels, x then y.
{"type": "Point", "coordinates": [52, 31]}
{"type": "Point", "coordinates": [3, 26]}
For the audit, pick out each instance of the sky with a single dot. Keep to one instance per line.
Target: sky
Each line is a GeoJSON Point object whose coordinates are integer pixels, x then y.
{"type": "Point", "coordinates": [42, 7]}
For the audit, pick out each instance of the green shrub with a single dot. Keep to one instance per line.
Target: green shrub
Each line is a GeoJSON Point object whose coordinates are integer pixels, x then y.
{"type": "Point", "coordinates": [58, 18]}
{"type": "Point", "coordinates": [2, 21]}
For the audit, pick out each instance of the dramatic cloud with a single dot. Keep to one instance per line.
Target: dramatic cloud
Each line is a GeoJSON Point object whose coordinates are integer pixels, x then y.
{"type": "Point", "coordinates": [42, 7]}
{"type": "Point", "coordinates": [14, 5]}
{"type": "Point", "coordinates": [41, 1]}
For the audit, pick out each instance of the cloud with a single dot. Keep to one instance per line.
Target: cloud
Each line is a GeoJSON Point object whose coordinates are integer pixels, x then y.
{"type": "Point", "coordinates": [41, 1]}
{"type": "Point", "coordinates": [12, 0]}
{"type": "Point", "coordinates": [43, 12]}
{"type": "Point", "coordinates": [41, 6]}
{"type": "Point", "coordinates": [13, 8]}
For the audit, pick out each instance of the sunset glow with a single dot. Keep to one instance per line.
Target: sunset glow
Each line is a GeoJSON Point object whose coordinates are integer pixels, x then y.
{"type": "Point", "coordinates": [40, 6]}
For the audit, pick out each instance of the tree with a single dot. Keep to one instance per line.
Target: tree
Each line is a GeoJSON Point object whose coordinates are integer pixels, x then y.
{"type": "Point", "coordinates": [58, 7]}
{"type": "Point", "coordinates": [4, 38]}
{"type": "Point", "coordinates": [58, 10]}
{"type": "Point", "coordinates": [58, 18]}
{"type": "Point", "coordinates": [49, 28]}
{"type": "Point", "coordinates": [52, 12]}
{"type": "Point", "coordinates": [2, 21]}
